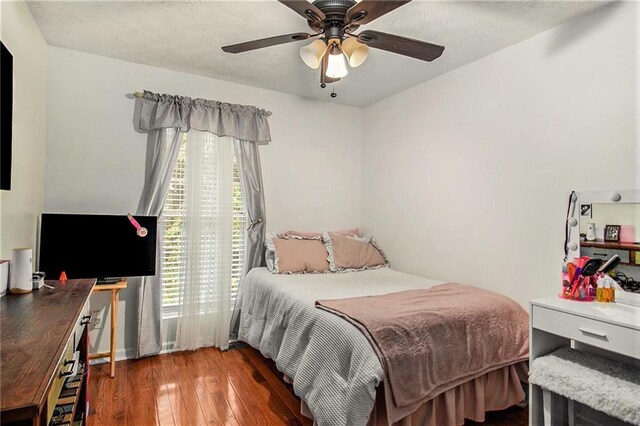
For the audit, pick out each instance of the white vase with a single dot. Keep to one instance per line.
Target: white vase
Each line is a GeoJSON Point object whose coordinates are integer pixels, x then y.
{"type": "Point", "coordinates": [591, 231]}
{"type": "Point", "coordinates": [20, 271]}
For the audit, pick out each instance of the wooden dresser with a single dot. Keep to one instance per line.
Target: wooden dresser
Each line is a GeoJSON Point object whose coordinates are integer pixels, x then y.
{"type": "Point", "coordinates": [44, 354]}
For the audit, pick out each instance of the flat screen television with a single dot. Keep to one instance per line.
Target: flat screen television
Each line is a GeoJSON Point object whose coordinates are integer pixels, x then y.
{"type": "Point", "coordinates": [6, 115]}
{"type": "Point", "coordinates": [96, 246]}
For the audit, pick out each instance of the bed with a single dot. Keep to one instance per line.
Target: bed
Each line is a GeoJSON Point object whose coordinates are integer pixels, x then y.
{"type": "Point", "coordinates": [332, 365]}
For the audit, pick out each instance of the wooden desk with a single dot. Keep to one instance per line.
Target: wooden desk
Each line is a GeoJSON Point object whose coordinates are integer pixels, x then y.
{"type": "Point", "coordinates": [39, 332]}
{"type": "Point", "coordinates": [115, 299]}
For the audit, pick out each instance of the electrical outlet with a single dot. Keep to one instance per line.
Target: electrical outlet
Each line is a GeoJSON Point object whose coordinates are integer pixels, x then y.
{"type": "Point", "coordinates": [96, 319]}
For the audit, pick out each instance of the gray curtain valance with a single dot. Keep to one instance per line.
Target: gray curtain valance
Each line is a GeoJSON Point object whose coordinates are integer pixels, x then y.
{"type": "Point", "coordinates": [246, 123]}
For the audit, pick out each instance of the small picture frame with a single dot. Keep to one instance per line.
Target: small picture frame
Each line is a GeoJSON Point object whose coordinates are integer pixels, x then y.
{"type": "Point", "coordinates": [612, 233]}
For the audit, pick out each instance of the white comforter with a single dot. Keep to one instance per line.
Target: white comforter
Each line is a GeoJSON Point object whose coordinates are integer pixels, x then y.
{"type": "Point", "coordinates": [333, 366]}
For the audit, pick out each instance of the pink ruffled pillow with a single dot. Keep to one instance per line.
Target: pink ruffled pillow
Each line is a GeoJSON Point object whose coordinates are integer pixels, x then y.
{"type": "Point", "coordinates": [295, 256]}
{"type": "Point", "coordinates": [353, 253]}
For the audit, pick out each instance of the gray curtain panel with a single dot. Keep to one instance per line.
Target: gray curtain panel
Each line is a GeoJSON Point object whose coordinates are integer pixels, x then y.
{"type": "Point", "coordinates": [248, 156]}
{"type": "Point", "coordinates": [162, 152]}
{"type": "Point", "coordinates": [166, 117]}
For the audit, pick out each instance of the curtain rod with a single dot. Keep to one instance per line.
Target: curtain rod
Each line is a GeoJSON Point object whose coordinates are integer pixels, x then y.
{"type": "Point", "coordinates": [141, 95]}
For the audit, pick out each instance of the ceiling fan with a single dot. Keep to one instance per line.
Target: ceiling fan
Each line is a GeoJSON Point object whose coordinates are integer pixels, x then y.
{"type": "Point", "coordinates": [334, 23]}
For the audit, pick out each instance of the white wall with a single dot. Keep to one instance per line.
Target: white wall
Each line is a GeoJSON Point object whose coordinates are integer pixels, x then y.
{"type": "Point", "coordinates": [95, 159]}
{"type": "Point", "coordinates": [20, 207]}
{"type": "Point", "coordinates": [466, 177]}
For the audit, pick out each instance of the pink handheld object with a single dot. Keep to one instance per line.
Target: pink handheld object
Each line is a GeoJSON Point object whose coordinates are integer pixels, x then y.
{"type": "Point", "coordinates": [140, 231]}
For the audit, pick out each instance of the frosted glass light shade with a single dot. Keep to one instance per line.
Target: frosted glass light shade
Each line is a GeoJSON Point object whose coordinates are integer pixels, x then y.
{"type": "Point", "coordinates": [312, 53]}
{"type": "Point", "coordinates": [336, 66]}
{"type": "Point", "coordinates": [355, 51]}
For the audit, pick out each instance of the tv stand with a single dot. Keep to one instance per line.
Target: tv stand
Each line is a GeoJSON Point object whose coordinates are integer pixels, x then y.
{"type": "Point", "coordinates": [114, 288]}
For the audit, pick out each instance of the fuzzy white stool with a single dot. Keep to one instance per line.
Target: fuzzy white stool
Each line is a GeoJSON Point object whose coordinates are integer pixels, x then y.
{"type": "Point", "coordinates": [604, 385]}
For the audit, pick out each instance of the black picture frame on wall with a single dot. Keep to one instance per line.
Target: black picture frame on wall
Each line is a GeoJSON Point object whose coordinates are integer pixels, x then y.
{"type": "Point", "coordinates": [6, 115]}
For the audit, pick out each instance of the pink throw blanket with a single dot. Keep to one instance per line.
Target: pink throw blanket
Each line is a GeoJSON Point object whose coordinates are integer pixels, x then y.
{"type": "Point", "coordinates": [432, 340]}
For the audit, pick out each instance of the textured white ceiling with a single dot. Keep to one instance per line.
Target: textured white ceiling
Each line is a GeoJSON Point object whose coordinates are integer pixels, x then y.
{"type": "Point", "coordinates": [187, 36]}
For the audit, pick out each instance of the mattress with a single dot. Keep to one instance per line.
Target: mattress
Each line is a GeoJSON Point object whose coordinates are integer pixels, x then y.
{"type": "Point", "coordinates": [333, 367]}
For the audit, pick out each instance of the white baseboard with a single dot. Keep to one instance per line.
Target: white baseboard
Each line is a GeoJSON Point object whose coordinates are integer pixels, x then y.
{"type": "Point", "coordinates": [121, 355]}
{"type": "Point", "coordinates": [167, 348]}
{"type": "Point", "coordinates": [124, 354]}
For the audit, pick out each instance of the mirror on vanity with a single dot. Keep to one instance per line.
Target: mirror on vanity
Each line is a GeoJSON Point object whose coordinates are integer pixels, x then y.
{"type": "Point", "coordinates": [604, 223]}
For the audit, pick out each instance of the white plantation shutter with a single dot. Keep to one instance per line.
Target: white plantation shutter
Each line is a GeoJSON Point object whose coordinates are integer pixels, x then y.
{"type": "Point", "coordinates": [239, 232]}
{"type": "Point", "coordinates": [174, 223]}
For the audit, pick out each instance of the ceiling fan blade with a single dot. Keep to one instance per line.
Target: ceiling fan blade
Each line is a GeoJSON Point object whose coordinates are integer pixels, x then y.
{"type": "Point", "coordinates": [368, 10]}
{"type": "Point", "coordinates": [305, 9]}
{"type": "Point", "coordinates": [323, 70]}
{"type": "Point", "coordinates": [401, 45]}
{"type": "Point", "coordinates": [265, 42]}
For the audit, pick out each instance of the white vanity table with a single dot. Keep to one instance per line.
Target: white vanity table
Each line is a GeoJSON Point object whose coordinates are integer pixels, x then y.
{"type": "Point", "coordinates": [608, 330]}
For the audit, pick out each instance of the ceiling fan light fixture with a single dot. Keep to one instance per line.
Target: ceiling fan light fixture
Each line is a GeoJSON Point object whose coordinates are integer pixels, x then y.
{"type": "Point", "coordinates": [334, 44]}
{"type": "Point", "coordinates": [312, 53]}
{"type": "Point", "coordinates": [355, 51]}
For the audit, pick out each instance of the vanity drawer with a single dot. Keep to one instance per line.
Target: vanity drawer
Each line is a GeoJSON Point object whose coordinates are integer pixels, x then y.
{"type": "Point", "coordinates": [600, 334]}
{"type": "Point", "coordinates": [604, 253]}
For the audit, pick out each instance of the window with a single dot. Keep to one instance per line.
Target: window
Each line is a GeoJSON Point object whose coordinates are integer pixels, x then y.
{"type": "Point", "coordinates": [172, 223]}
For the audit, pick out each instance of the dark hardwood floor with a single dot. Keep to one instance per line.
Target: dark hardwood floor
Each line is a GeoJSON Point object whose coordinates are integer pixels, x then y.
{"type": "Point", "coordinates": [236, 387]}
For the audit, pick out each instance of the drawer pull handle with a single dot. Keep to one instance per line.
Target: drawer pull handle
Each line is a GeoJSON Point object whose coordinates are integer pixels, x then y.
{"type": "Point", "coordinates": [593, 333]}
{"type": "Point", "coordinates": [70, 372]}
{"type": "Point", "coordinates": [86, 319]}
